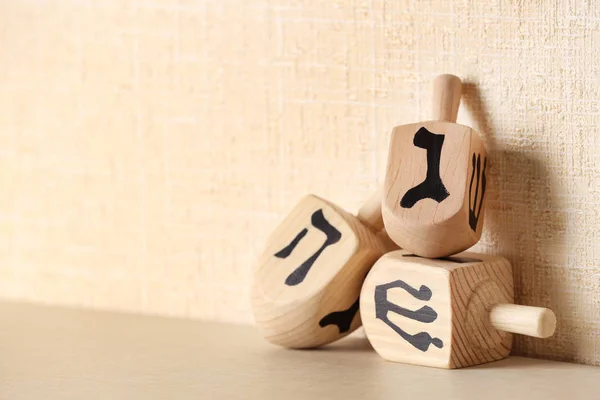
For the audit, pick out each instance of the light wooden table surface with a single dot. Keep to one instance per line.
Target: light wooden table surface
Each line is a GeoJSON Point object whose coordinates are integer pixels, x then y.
{"type": "Point", "coordinates": [51, 353]}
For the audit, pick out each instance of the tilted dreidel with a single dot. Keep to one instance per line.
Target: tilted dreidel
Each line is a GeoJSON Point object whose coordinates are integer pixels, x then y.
{"type": "Point", "coordinates": [449, 313]}
{"type": "Point", "coordinates": [306, 285]}
{"type": "Point", "coordinates": [434, 188]}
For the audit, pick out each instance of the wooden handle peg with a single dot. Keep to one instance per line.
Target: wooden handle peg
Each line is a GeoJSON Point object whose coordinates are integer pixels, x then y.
{"type": "Point", "coordinates": [446, 97]}
{"type": "Point", "coordinates": [370, 213]}
{"type": "Point", "coordinates": [531, 321]}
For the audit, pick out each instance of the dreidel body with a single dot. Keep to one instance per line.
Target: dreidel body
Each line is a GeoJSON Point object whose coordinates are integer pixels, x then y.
{"type": "Point", "coordinates": [447, 313]}
{"type": "Point", "coordinates": [306, 285]}
{"type": "Point", "coordinates": [434, 191]}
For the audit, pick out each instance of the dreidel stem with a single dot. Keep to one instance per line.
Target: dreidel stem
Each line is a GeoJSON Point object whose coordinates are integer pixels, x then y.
{"type": "Point", "coordinates": [370, 212]}
{"type": "Point", "coordinates": [446, 97]}
{"type": "Point", "coordinates": [525, 320]}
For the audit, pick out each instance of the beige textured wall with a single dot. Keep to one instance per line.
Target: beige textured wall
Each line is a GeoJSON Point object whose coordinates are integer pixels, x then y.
{"type": "Point", "coordinates": [148, 147]}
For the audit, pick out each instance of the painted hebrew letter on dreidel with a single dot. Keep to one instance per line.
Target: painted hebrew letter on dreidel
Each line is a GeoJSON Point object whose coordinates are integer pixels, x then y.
{"type": "Point", "coordinates": [308, 279]}
{"type": "Point", "coordinates": [467, 316]}
{"type": "Point", "coordinates": [432, 187]}
{"type": "Point", "coordinates": [425, 314]}
{"type": "Point", "coordinates": [477, 175]}
{"type": "Point", "coordinates": [429, 199]}
{"type": "Point", "coordinates": [341, 319]}
{"type": "Point", "coordinates": [332, 237]}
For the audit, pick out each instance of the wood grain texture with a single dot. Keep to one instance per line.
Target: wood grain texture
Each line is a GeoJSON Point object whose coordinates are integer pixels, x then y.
{"type": "Point", "coordinates": [435, 180]}
{"type": "Point", "coordinates": [51, 353]}
{"type": "Point", "coordinates": [525, 320]}
{"type": "Point", "coordinates": [437, 312]}
{"type": "Point", "coordinates": [147, 149]}
{"type": "Point", "coordinates": [320, 303]}
{"type": "Point", "coordinates": [428, 227]}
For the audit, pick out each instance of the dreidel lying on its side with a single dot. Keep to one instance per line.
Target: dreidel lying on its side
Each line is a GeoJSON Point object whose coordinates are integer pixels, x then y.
{"type": "Point", "coordinates": [305, 288]}
{"type": "Point", "coordinates": [447, 313]}
{"type": "Point", "coordinates": [434, 192]}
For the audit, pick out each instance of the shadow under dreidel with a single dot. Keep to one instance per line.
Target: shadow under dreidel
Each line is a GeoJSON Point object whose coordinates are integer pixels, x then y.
{"type": "Point", "coordinates": [355, 342]}
{"type": "Point", "coordinates": [523, 223]}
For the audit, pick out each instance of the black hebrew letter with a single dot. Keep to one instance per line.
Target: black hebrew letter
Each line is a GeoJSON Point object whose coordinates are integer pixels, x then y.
{"type": "Point", "coordinates": [454, 259]}
{"type": "Point", "coordinates": [287, 250]}
{"type": "Point", "coordinates": [332, 236]}
{"type": "Point", "coordinates": [432, 187]}
{"type": "Point", "coordinates": [479, 175]}
{"type": "Point", "coordinates": [425, 314]}
{"type": "Point", "coordinates": [343, 319]}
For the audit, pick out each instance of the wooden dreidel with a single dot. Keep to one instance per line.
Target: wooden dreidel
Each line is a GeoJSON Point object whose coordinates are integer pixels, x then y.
{"type": "Point", "coordinates": [447, 313]}
{"type": "Point", "coordinates": [434, 191]}
{"type": "Point", "coordinates": [306, 285]}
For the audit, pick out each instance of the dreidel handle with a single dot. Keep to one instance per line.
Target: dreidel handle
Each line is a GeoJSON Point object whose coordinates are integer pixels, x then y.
{"type": "Point", "coordinates": [525, 320]}
{"type": "Point", "coordinates": [446, 97]}
{"type": "Point", "coordinates": [370, 215]}
{"type": "Point", "coordinates": [370, 212]}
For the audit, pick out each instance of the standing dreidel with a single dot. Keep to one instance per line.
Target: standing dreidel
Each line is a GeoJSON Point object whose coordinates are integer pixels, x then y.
{"type": "Point", "coordinates": [306, 285]}
{"type": "Point", "coordinates": [434, 190]}
{"type": "Point", "coordinates": [448, 313]}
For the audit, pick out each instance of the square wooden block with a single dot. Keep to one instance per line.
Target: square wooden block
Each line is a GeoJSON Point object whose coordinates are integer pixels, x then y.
{"type": "Point", "coordinates": [435, 312]}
